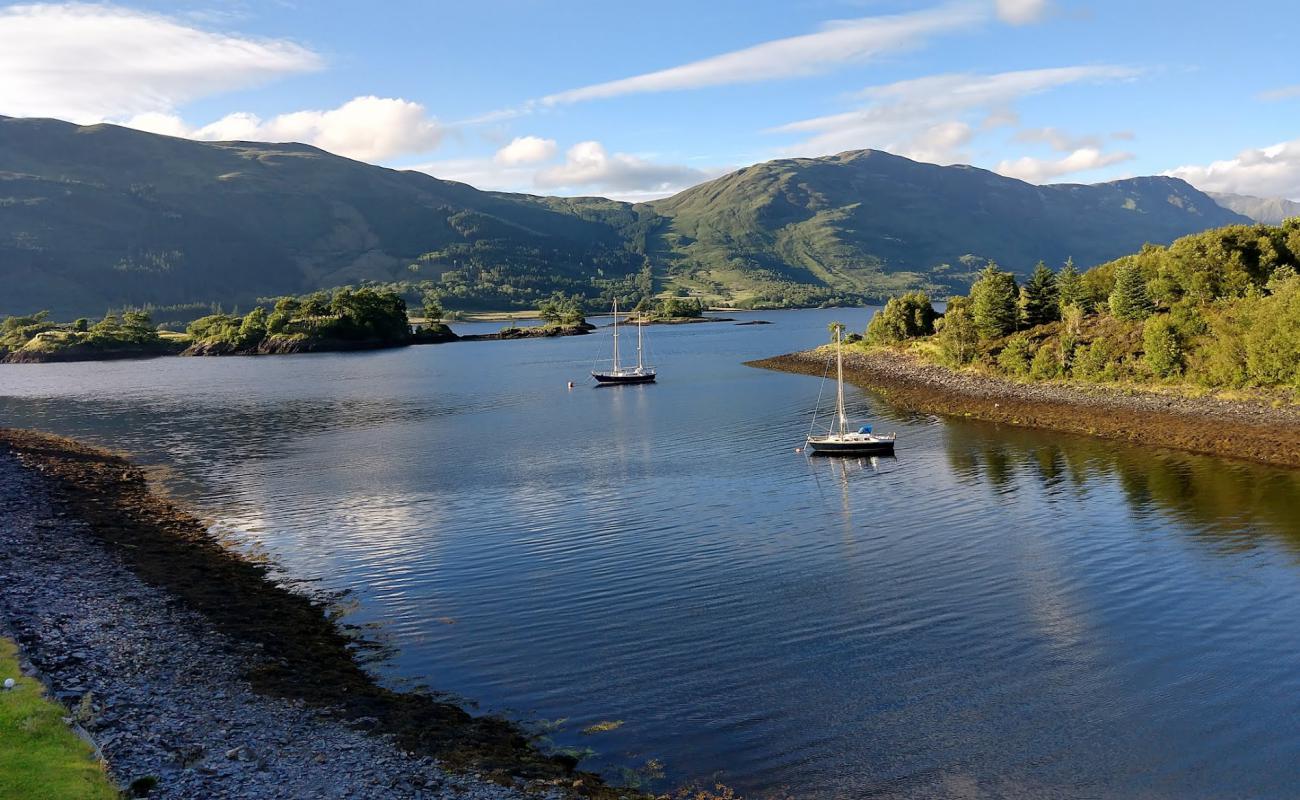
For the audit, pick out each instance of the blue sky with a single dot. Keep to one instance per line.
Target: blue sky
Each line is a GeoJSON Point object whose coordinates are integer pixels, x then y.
{"type": "Point", "coordinates": [639, 100]}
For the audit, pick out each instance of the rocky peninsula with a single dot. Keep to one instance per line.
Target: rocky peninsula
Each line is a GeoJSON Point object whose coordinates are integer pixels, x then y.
{"type": "Point", "coordinates": [1248, 429]}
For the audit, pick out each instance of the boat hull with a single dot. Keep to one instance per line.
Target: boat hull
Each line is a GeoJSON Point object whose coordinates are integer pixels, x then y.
{"type": "Point", "coordinates": [822, 448]}
{"type": "Point", "coordinates": [607, 378]}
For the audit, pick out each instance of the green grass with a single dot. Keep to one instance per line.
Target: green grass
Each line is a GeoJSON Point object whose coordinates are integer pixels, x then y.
{"type": "Point", "coordinates": [40, 757]}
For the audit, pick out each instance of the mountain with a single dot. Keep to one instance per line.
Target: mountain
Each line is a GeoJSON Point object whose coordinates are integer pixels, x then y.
{"type": "Point", "coordinates": [1265, 210]}
{"type": "Point", "coordinates": [873, 222]}
{"type": "Point", "coordinates": [102, 216]}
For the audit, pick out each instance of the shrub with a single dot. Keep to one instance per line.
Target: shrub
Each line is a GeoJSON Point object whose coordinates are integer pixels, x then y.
{"type": "Point", "coordinates": [1162, 346]}
{"type": "Point", "coordinates": [1096, 362]}
{"type": "Point", "coordinates": [1046, 364]}
{"type": "Point", "coordinates": [1016, 355]}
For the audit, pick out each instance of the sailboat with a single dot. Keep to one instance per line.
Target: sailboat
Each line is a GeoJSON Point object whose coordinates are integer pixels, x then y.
{"type": "Point", "coordinates": [640, 374]}
{"type": "Point", "coordinates": [841, 441]}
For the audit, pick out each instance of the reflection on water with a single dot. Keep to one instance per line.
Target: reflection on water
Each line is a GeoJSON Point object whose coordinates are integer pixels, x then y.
{"type": "Point", "coordinates": [1229, 505]}
{"type": "Point", "coordinates": [993, 612]}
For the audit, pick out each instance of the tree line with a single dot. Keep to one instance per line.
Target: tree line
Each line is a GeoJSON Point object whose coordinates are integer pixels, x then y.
{"type": "Point", "coordinates": [1218, 309]}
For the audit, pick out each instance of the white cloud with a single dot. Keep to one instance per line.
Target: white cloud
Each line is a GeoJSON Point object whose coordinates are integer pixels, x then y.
{"type": "Point", "coordinates": [1022, 12]}
{"type": "Point", "coordinates": [365, 128]}
{"type": "Point", "coordinates": [1283, 93]}
{"type": "Point", "coordinates": [939, 143]}
{"type": "Point", "coordinates": [840, 42]}
{"type": "Point", "coordinates": [526, 150]}
{"type": "Point", "coordinates": [904, 116]}
{"type": "Point", "coordinates": [587, 164]}
{"type": "Point", "coordinates": [90, 63]}
{"type": "Point", "coordinates": [1058, 139]}
{"type": "Point", "coordinates": [1039, 170]}
{"type": "Point", "coordinates": [587, 169]}
{"type": "Point", "coordinates": [1265, 172]}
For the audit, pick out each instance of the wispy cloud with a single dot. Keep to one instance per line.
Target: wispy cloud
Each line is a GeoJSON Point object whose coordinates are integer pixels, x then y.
{"type": "Point", "coordinates": [839, 42]}
{"type": "Point", "coordinates": [90, 63]}
{"type": "Point", "coordinates": [1282, 93]}
{"type": "Point", "coordinates": [366, 128]}
{"type": "Point", "coordinates": [908, 117]}
{"type": "Point", "coordinates": [1264, 172]}
{"type": "Point", "coordinates": [1022, 12]}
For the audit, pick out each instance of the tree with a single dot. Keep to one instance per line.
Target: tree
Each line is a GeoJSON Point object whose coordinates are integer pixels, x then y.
{"type": "Point", "coordinates": [902, 318]}
{"type": "Point", "coordinates": [995, 306]}
{"type": "Point", "coordinates": [81, 325]}
{"type": "Point", "coordinates": [253, 329]}
{"type": "Point", "coordinates": [1040, 298]}
{"type": "Point", "coordinates": [956, 334]}
{"type": "Point", "coordinates": [1129, 299]}
{"type": "Point", "coordinates": [835, 328]}
{"type": "Point", "coordinates": [1069, 287]}
{"type": "Point", "coordinates": [432, 309]}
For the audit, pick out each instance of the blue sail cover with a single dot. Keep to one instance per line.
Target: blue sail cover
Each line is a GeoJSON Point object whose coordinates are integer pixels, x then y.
{"type": "Point", "coordinates": [865, 429]}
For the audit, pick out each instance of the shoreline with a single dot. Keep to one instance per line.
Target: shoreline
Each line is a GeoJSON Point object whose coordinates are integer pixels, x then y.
{"type": "Point", "coordinates": [130, 608]}
{"type": "Point", "coordinates": [1238, 429]}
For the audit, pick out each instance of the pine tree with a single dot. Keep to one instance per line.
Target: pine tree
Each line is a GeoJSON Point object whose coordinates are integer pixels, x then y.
{"type": "Point", "coordinates": [1041, 300]}
{"type": "Point", "coordinates": [1069, 286]}
{"type": "Point", "coordinates": [995, 302]}
{"type": "Point", "coordinates": [1129, 300]}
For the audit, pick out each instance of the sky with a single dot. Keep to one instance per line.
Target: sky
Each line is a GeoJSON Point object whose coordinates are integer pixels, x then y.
{"type": "Point", "coordinates": [639, 100]}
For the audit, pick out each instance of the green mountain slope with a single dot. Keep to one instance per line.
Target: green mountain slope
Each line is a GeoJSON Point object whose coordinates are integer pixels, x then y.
{"type": "Point", "coordinates": [871, 222]}
{"type": "Point", "coordinates": [102, 216]}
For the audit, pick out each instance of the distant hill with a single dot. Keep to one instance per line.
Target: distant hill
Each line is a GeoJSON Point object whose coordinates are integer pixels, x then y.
{"type": "Point", "coordinates": [100, 216]}
{"type": "Point", "coordinates": [870, 221]}
{"type": "Point", "coordinates": [1266, 210]}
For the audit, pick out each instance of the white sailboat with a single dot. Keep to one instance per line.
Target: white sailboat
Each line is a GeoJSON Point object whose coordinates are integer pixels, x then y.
{"type": "Point", "coordinates": [639, 374]}
{"type": "Point", "coordinates": [840, 440]}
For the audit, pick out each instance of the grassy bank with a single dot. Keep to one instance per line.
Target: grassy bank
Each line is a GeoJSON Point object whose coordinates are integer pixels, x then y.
{"type": "Point", "coordinates": [40, 757]}
{"type": "Point", "coordinates": [1232, 428]}
{"type": "Point", "coordinates": [306, 655]}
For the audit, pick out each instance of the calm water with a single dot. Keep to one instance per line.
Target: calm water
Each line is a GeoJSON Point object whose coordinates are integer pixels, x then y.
{"type": "Point", "coordinates": [993, 613]}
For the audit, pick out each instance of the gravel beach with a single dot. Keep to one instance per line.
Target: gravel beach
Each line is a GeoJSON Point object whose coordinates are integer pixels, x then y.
{"type": "Point", "coordinates": [165, 694]}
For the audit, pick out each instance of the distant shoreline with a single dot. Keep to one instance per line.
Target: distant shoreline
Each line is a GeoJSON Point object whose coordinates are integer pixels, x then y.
{"type": "Point", "coordinates": [1237, 429]}
{"type": "Point", "coordinates": [273, 347]}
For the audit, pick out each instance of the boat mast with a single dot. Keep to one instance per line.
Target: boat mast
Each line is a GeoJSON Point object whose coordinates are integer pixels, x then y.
{"type": "Point", "coordinates": [839, 380]}
{"type": "Point", "coordinates": [615, 334]}
{"type": "Point", "coordinates": [638, 344]}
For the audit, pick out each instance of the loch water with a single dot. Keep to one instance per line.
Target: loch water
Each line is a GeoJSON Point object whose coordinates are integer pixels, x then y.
{"type": "Point", "coordinates": [993, 612]}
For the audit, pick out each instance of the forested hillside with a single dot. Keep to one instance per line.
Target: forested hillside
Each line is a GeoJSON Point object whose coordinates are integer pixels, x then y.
{"type": "Point", "coordinates": [102, 217]}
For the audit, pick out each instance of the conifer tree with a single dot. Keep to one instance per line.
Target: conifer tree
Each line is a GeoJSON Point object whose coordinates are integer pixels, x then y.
{"type": "Point", "coordinates": [1130, 300]}
{"type": "Point", "coordinates": [1040, 298]}
{"type": "Point", "coordinates": [995, 302]}
{"type": "Point", "coordinates": [1069, 286]}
